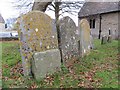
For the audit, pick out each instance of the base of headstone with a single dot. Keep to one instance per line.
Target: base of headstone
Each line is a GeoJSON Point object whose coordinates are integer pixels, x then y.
{"type": "Point", "coordinates": [45, 63]}
{"type": "Point", "coordinates": [109, 39]}
{"type": "Point", "coordinates": [84, 53]}
{"type": "Point", "coordinates": [104, 40]}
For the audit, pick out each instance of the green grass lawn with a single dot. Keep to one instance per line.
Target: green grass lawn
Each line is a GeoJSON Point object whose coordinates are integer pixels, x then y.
{"type": "Point", "coordinates": [99, 69]}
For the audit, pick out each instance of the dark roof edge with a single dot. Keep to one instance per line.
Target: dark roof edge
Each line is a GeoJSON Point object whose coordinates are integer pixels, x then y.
{"type": "Point", "coordinates": [97, 14]}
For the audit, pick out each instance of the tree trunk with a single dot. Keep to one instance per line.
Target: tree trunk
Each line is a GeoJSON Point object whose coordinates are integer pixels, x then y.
{"type": "Point", "coordinates": [57, 10]}
{"type": "Point", "coordinates": [41, 6]}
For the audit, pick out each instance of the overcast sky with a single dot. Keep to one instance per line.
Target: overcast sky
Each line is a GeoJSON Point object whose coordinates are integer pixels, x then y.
{"type": "Point", "coordinates": [8, 10]}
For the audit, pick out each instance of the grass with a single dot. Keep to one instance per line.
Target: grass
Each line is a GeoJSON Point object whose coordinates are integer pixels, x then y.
{"type": "Point", "coordinates": [99, 69]}
{"type": "Point", "coordinates": [10, 56]}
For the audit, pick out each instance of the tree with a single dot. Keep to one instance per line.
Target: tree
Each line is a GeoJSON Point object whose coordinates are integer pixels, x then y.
{"type": "Point", "coordinates": [61, 6]}
{"type": "Point", "coordinates": [23, 6]}
{"type": "Point", "coordinates": [58, 6]}
{"type": "Point", "coordinates": [41, 5]}
{"type": "Point", "coordinates": [26, 5]}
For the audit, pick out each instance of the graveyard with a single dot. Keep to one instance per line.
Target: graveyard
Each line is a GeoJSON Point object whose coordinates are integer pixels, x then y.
{"type": "Point", "coordinates": [73, 60]}
{"type": "Point", "coordinates": [99, 69]}
{"type": "Point", "coordinates": [57, 53]}
{"type": "Point", "coordinates": [41, 59]}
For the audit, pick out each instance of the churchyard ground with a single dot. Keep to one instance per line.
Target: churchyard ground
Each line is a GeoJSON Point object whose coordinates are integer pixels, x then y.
{"type": "Point", "coordinates": [99, 69]}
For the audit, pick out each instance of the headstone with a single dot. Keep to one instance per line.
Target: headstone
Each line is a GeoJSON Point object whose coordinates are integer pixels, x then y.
{"type": "Point", "coordinates": [110, 36]}
{"type": "Point", "coordinates": [69, 39]}
{"type": "Point", "coordinates": [37, 34]}
{"type": "Point", "coordinates": [109, 39]}
{"type": "Point", "coordinates": [46, 62]}
{"type": "Point", "coordinates": [85, 38]}
{"type": "Point", "coordinates": [104, 39]}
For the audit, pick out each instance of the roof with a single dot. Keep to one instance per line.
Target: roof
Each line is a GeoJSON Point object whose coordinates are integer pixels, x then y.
{"type": "Point", "coordinates": [93, 8]}
{"type": "Point", "coordinates": [1, 19]}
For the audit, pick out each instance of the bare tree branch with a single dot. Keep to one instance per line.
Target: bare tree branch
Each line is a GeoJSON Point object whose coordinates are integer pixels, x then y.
{"type": "Point", "coordinates": [49, 8]}
{"type": "Point", "coordinates": [67, 7]}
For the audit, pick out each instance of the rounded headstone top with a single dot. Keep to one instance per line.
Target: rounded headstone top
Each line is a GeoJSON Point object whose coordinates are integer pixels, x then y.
{"type": "Point", "coordinates": [68, 24]}
{"type": "Point", "coordinates": [36, 29]}
{"type": "Point", "coordinates": [1, 19]}
{"type": "Point", "coordinates": [84, 22]}
{"type": "Point", "coordinates": [67, 19]}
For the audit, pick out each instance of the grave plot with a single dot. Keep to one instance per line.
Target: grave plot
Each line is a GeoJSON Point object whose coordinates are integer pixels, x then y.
{"type": "Point", "coordinates": [38, 35]}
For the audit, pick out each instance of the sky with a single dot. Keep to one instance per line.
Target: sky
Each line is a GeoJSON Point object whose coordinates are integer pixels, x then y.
{"type": "Point", "coordinates": [8, 10]}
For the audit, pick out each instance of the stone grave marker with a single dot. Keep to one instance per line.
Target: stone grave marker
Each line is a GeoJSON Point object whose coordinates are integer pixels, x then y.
{"type": "Point", "coordinates": [37, 35]}
{"type": "Point", "coordinates": [110, 36]}
{"type": "Point", "coordinates": [86, 42]}
{"type": "Point", "coordinates": [69, 39]}
{"type": "Point", "coordinates": [104, 39]}
{"type": "Point", "coordinates": [46, 62]}
{"type": "Point", "coordinates": [109, 39]}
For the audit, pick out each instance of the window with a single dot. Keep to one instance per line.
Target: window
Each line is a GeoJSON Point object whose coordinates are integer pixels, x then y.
{"type": "Point", "coordinates": [92, 23]}
{"type": "Point", "coordinates": [5, 25]}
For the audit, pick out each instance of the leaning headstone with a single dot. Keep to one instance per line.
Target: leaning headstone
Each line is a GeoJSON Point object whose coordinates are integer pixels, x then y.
{"type": "Point", "coordinates": [109, 39]}
{"type": "Point", "coordinates": [85, 38]}
{"type": "Point", "coordinates": [46, 62]}
{"type": "Point", "coordinates": [69, 39]}
{"type": "Point", "coordinates": [37, 34]}
{"type": "Point", "coordinates": [104, 39]}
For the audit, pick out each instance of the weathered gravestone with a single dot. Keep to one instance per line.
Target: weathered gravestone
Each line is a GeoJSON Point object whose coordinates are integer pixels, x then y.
{"type": "Point", "coordinates": [109, 39]}
{"type": "Point", "coordinates": [46, 62]}
{"type": "Point", "coordinates": [70, 43]}
{"type": "Point", "coordinates": [86, 42]}
{"type": "Point", "coordinates": [104, 39]}
{"type": "Point", "coordinates": [38, 43]}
